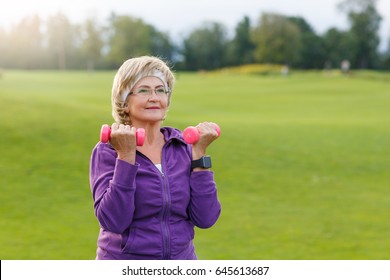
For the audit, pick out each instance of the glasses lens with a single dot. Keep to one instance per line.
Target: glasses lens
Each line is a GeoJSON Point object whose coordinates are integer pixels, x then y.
{"type": "Point", "coordinates": [161, 91]}
{"type": "Point", "coordinates": [144, 91]}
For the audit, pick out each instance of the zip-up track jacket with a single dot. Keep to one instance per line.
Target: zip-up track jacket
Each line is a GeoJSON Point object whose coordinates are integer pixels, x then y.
{"type": "Point", "coordinates": [146, 214]}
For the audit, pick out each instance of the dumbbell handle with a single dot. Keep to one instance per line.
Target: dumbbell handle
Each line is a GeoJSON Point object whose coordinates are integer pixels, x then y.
{"type": "Point", "coordinates": [105, 135]}
{"type": "Point", "coordinates": [191, 134]}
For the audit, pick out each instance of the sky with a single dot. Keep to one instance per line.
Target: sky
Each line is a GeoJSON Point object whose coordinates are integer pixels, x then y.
{"type": "Point", "coordinates": [179, 17]}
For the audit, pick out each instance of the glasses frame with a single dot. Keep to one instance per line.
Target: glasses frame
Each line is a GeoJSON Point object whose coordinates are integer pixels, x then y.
{"type": "Point", "coordinates": [150, 92]}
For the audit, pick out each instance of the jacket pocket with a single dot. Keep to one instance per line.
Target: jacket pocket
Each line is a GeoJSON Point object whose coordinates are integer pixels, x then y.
{"type": "Point", "coordinates": [128, 240]}
{"type": "Point", "coordinates": [143, 240]}
{"type": "Point", "coordinates": [182, 236]}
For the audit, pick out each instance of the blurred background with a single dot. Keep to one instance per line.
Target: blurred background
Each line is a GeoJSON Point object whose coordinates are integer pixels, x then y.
{"type": "Point", "coordinates": [201, 35]}
{"type": "Point", "coordinates": [301, 91]}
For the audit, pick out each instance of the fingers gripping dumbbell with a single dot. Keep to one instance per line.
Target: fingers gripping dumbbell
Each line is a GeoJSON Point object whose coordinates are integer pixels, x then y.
{"type": "Point", "coordinates": [191, 134]}
{"type": "Point", "coordinates": [105, 135]}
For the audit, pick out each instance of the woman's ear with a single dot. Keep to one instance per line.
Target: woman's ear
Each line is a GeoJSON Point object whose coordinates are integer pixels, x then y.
{"type": "Point", "coordinates": [126, 109]}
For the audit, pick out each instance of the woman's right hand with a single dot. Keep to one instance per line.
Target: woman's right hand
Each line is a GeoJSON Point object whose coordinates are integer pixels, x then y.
{"type": "Point", "coordinates": [123, 140]}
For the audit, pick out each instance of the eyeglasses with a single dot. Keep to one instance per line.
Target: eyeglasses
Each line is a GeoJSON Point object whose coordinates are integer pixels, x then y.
{"type": "Point", "coordinates": [142, 91]}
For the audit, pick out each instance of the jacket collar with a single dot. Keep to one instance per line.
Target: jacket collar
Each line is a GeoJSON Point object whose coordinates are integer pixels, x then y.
{"type": "Point", "coordinates": [171, 133]}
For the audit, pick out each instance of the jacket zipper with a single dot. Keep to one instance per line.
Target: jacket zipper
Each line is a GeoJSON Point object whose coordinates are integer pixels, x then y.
{"type": "Point", "coordinates": [166, 206]}
{"type": "Point", "coordinates": [165, 228]}
{"type": "Point", "coordinates": [164, 220]}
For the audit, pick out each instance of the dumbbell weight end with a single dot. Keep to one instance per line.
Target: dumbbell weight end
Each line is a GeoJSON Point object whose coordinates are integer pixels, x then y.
{"type": "Point", "coordinates": [105, 135]}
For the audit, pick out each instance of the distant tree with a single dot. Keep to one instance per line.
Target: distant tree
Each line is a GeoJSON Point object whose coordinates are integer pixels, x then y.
{"type": "Point", "coordinates": [61, 35]}
{"type": "Point", "coordinates": [130, 37]}
{"type": "Point", "coordinates": [205, 47]}
{"type": "Point", "coordinates": [278, 40]}
{"type": "Point", "coordinates": [312, 52]}
{"type": "Point", "coordinates": [240, 49]}
{"type": "Point", "coordinates": [338, 47]}
{"type": "Point", "coordinates": [161, 44]}
{"type": "Point", "coordinates": [386, 58]}
{"type": "Point", "coordinates": [24, 44]}
{"type": "Point", "coordinates": [365, 22]}
{"type": "Point", "coordinates": [92, 42]}
{"type": "Point", "coordinates": [3, 48]}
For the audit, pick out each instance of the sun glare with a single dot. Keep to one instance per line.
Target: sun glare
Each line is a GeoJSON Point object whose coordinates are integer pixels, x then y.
{"type": "Point", "coordinates": [13, 11]}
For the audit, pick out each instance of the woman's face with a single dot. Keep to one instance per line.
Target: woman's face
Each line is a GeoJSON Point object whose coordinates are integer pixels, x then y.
{"type": "Point", "coordinates": [148, 101]}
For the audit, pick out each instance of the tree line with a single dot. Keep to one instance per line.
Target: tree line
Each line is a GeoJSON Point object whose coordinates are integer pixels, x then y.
{"type": "Point", "coordinates": [56, 43]}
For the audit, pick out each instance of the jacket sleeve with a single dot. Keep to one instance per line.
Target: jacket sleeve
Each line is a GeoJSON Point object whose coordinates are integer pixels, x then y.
{"type": "Point", "coordinates": [112, 183]}
{"type": "Point", "coordinates": [204, 208]}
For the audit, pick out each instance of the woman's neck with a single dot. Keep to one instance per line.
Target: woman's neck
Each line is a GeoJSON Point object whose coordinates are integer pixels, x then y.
{"type": "Point", "coordinates": [154, 142]}
{"type": "Point", "coordinates": [153, 133]}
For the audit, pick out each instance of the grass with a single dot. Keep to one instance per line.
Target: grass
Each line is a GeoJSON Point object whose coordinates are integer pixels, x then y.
{"type": "Point", "coordinates": [301, 167]}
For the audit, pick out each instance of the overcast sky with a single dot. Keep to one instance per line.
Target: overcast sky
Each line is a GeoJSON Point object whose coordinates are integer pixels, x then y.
{"type": "Point", "coordinates": [178, 17]}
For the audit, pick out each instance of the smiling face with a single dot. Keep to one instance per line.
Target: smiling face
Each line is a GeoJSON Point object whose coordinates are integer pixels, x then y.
{"type": "Point", "coordinates": [147, 108]}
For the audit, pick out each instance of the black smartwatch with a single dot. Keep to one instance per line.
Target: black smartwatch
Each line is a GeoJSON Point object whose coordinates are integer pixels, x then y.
{"type": "Point", "coordinates": [203, 162]}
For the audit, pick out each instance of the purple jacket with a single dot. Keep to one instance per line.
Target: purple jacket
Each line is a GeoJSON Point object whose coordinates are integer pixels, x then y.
{"type": "Point", "coordinates": [144, 214]}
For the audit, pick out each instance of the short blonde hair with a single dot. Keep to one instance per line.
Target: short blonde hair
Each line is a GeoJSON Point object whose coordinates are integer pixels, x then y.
{"type": "Point", "coordinates": [131, 71]}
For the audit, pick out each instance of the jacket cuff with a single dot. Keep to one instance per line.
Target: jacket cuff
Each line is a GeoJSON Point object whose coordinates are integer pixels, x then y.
{"type": "Point", "coordinates": [124, 173]}
{"type": "Point", "coordinates": [202, 181]}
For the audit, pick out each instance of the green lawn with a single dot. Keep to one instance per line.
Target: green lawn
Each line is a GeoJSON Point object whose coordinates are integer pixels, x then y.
{"type": "Point", "coordinates": [302, 165]}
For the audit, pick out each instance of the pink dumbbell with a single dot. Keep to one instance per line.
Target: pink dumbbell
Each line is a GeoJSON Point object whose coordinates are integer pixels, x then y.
{"type": "Point", "coordinates": [105, 134]}
{"type": "Point", "coordinates": [191, 134]}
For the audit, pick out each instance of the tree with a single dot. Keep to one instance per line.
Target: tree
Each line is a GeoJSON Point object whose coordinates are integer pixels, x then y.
{"type": "Point", "coordinates": [24, 46]}
{"type": "Point", "coordinates": [161, 44]}
{"type": "Point", "coordinates": [338, 46]}
{"type": "Point", "coordinates": [312, 52]}
{"type": "Point", "coordinates": [365, 23]}
{"type": "Point", "coordinates": [278, 40]}
{"type": "Point", "coordinates": [241, 48]}
{"type": "Point", "coordinates": [130, 37]}
{"type": "Point", "coordinates": [205, 47]}
{"type": "Point", "coordinates": [92, 43]}
{"type": "Point", "coordinates": [3, 48]}
{"type": "Point", "coordinates": [61, 35]}
{"type": "Point", "coordinates": [386, 58]}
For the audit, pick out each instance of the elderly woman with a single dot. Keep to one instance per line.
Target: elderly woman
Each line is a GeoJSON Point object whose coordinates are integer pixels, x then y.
{"type": "Point", "coordinates": [148, 199]}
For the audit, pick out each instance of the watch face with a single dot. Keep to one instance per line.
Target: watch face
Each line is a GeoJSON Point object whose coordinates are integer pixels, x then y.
{"type": "Point", "coordinates": [206, 162]}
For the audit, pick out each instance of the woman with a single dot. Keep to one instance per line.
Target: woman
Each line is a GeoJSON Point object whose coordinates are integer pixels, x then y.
{"type": "Point", "coordinates": [148, 199]}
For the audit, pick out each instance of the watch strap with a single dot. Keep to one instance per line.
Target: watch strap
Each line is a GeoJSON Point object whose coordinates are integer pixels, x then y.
{"type": "Point", "coordinates": [203, 162]}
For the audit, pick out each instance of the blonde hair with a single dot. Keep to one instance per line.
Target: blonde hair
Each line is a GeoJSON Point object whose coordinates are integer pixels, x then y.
{"type": "Point", "coordinates": [131, 71]}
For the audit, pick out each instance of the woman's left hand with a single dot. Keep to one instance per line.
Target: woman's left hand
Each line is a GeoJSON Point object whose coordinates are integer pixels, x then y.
{"type": "Point", "coordinates": [207, 134]}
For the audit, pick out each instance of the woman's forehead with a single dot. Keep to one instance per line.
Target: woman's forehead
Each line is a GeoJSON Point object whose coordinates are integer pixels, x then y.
{"type": "Point", "coordinates": [150, 81]}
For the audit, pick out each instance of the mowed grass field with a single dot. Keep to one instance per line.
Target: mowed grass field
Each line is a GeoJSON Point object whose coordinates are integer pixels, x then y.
{"type": "Point", "coordinates": [302, 165]}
